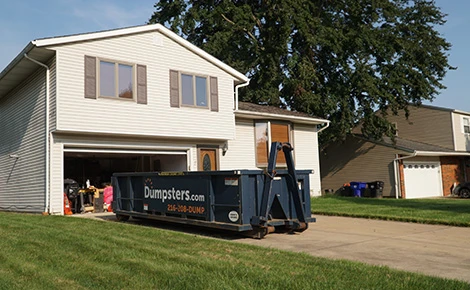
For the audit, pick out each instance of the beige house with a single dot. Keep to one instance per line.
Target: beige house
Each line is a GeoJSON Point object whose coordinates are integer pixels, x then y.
{"type": "Point", "coordinates": [430, 154]}
{"type": "Point", "coordinates": [133, 99]}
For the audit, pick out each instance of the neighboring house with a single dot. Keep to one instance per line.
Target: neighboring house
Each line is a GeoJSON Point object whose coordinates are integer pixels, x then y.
{"type": "Point", "coordinates": [430, 154]}
{"type": "Point", "coordinates": [132, 99]}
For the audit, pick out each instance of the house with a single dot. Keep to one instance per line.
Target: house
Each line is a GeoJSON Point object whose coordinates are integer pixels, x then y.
{"type": "Point", "coordinates": [431, 153]}
{"type": "Point", "coordinates": [133, 99]}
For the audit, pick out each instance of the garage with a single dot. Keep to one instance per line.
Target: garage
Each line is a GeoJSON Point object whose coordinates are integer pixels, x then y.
{"type": "Point", "coordinates": [98, 165]}
{"type": "Point", "coordinates": [422, 179]}
{"type": "Point", "coordinates": [87, 172]}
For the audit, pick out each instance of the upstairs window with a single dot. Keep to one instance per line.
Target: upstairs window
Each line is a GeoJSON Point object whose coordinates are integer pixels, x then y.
{"type": "Point", "coordinates": [116, 80]}
{"type": "Point", "coordinates": [266, 133]}
{"type": "Point", "coordinates": [466, 125]}
{"type": "Point", "coordinates": [193, 90]}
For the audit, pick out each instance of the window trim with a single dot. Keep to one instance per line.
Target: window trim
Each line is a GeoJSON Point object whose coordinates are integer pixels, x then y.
{"type": "Point", "coordinates": [269, 122]}
{"type": "Point", "coordinates": [194, 75]}
{"type": "Point", "coordinates": [116, 77]}
{"type": "Point", "coordinates": [463, 124]}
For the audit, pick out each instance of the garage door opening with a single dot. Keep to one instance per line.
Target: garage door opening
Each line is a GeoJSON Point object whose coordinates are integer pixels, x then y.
{"type": "Point", "coordinates": [98, 168]}
{"type": "Point", "coordinates": [87, 174]}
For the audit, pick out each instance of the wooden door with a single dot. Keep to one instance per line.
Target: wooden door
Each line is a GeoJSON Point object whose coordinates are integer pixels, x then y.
{"type": "Point", "coordinates": [207, 159]}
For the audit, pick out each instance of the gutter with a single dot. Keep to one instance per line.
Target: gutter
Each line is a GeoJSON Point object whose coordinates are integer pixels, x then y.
{"type": "Point", "coordinates": [236, 92]}
{"type": "Point", "coordinates": [47, 207]}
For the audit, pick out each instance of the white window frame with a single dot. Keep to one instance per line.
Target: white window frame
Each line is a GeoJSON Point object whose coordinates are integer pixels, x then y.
{"type": "Point", "coordinates": [116, 77]}
{"type": "Point", "coordinates": [193, 75]}
{"type": "Point", "coordinates": [463, 125]}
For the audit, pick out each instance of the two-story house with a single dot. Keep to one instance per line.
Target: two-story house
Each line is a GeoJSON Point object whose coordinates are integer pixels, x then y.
{"type": "Point", "coordinates": [133, 99]}
{"type": "Point", "coordinates": [430, 154]}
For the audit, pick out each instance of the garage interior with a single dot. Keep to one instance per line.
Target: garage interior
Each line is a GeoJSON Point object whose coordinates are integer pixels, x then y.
{"type": "Point", "coordinates": [99, 167]}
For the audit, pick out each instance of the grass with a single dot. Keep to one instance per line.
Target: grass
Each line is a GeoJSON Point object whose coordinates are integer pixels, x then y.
{"type": "Point", "coordinates": [53, 252]}
{"type": "Point", "coordinates": [454, 212]}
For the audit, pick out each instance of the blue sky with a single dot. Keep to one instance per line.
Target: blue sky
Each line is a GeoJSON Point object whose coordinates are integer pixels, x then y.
{"type": "Point", "coordinates": [23, 21]}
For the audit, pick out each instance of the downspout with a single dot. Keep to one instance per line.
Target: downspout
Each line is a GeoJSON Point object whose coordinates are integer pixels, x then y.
{"type": "Point", "coordinates": [47, 208]}
{"type": "Point", "coordinates": [236, 92]}
{"type": "Point", "coordinates": [397, 172]}
{"type": "Point", "coordinates": [323, 128]}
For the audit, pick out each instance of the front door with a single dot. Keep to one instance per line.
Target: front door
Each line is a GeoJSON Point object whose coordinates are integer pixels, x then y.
{"type": "Point", "coordinates": [207, 159]}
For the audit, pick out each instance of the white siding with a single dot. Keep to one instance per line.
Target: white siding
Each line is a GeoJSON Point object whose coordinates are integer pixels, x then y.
{"type": "Point", "coordinates": [56, 176]}
{"type": "Point", "coordinates": [52, 94]}
{"type": "Point", "coordinates": [126, 117]}
{"type": "Point", "coordinates": [306, 154]}
{"type": "Point", "coordinates": [461, 140]}
{"type": "Point", "coordinates": [22, 127]}
{"type": "Point", "coordinates": [241, 151]}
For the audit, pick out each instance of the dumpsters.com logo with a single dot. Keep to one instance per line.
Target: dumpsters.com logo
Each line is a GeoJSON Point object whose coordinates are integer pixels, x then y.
{"type": "Point", "coordinates": [170, 194]}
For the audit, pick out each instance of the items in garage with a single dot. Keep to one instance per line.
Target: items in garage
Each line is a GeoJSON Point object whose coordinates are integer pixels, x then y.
{"type": "Point", "coordinates": [83, 200]}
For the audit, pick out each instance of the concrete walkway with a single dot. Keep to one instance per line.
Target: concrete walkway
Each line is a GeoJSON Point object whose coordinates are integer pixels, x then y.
{"type": "Point", "coordinates": [429, 249]}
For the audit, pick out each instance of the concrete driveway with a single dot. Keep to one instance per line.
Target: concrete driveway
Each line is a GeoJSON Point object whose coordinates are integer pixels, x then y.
{"type": "Point", "coordinates": [429, 249]}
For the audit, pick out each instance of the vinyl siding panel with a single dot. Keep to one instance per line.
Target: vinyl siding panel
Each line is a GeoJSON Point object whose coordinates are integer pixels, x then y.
{"type": "Point", "coordinates": [306, 154]}
{"type": "Point", "coordinates": [22, 127]}
{"type": "Point", "coordinates": [52, 94]}
{"type": "Point", "coordinates": [462, 140]}
{"type": "Point", "coordinates": [241, 151]}
{"type": "Point", "coordinates": [358, 160]}
{"type": "Point", "coordinates": [432, 126]}
{"type": "Point", "coordinates": [56, 176]}
{"type": "Point", "coordinates": [157, 118]}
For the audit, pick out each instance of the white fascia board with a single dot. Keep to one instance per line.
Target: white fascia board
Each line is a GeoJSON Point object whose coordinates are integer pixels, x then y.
{"type": "Point", "coordinates": [436, 153]}
{"type": "Point", "coordinates": [139, 29]}
{"type": "Point", "coordinates": [294, 119]}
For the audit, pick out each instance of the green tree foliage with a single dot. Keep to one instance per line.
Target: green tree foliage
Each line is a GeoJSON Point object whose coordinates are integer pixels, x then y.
{"type": "Point", "coordinates": [338, 59]}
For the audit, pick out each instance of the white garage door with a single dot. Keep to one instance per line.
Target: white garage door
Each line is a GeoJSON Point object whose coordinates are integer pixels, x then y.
{"type": "Point", "coordinates": [422, 179]}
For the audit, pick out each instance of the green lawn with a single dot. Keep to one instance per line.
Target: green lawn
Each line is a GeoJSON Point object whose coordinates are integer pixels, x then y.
{"type": "Point", "coordinates": [451, 211]}
{"type": "Point", "coordinates": [53, 252]}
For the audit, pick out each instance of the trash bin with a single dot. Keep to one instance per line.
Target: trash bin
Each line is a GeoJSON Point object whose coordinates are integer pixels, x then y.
{"type": "Point", "coordinates": [358, 188]}
{"type": "Point", "coordinates": [376, 188]}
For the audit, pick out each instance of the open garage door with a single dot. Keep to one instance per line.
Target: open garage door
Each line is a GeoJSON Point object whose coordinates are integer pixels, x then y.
{"type": "Point", "coordinates": [98, 165]}
{"type": "Point", "coordinates": [422, 179]}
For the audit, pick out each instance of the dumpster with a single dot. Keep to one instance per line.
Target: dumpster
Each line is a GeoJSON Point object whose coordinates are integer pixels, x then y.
{"type": "Point", "coordinates": [376, 188]}
{"type": "Point", "coordinates": [358, 188]}
{"type": "Point", "coordinates": [254, 202]}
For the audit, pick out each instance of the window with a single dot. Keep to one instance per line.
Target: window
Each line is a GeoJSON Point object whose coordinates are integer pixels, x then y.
{"type": "Point", "coordinates": [107, 78]}
{"type": "Point", "coordinates": [466, 125]}
{"type": "Point", "coordinates": [193, 90]}
{"type": "Point", "coordinates": [116, 80]}
{"type": "Point", "coordinates": [266, 133]}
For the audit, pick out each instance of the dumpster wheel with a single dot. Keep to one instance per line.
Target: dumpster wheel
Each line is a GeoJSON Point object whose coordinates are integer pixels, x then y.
{"type": "Point", "coordinates": [122, 218]}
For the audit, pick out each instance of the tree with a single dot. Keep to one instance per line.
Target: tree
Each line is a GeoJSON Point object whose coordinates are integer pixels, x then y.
{"type": "Point", "coordinates": [343, 60]}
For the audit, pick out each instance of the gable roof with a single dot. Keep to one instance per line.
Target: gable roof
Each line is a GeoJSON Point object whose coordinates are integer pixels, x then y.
{"type": "Point", "coordinates": [20, 67]}
{"type": "Point", "coordinates": [255, 111]}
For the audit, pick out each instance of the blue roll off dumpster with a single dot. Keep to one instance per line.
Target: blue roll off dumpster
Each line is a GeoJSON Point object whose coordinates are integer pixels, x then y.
{"type": "Point", "coordinates": [254, 202]}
